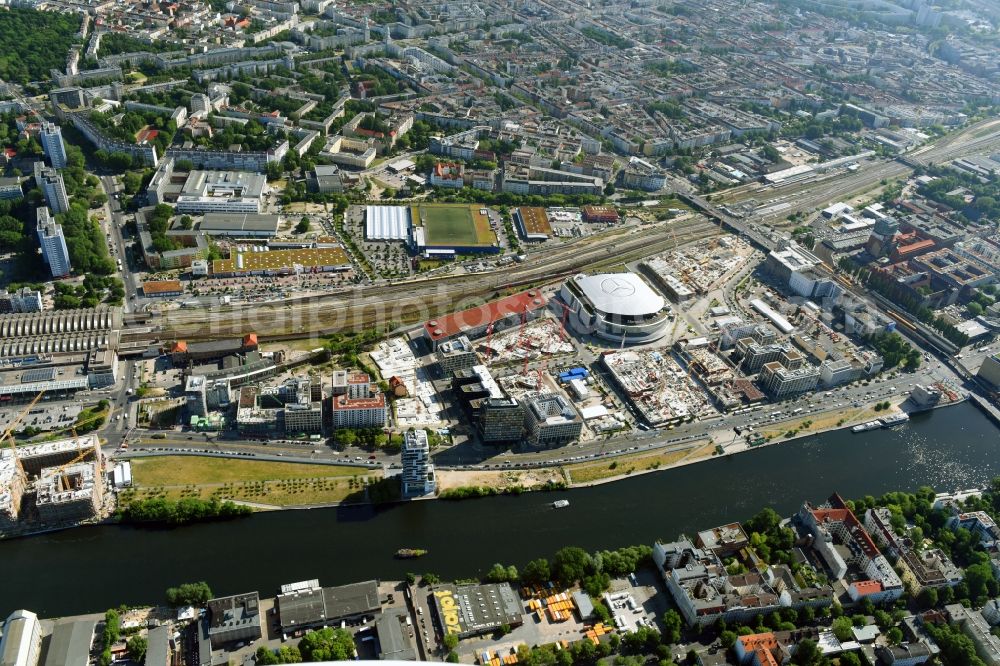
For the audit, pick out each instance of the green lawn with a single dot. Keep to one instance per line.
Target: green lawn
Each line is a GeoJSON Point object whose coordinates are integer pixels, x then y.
{"type": "Point", "coordinates": [448, 225]}
{"type": "Point", "coordinates": [182, 470]}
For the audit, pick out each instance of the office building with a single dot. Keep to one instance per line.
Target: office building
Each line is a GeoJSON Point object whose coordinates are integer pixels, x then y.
{"type": "Point", "coordinates": [221, 192]}
{"type": "Point", "coordinates": [779, 382]}
{"type": "Point", "coordinates": [22, 639]}
{"type": "Point", "coordinates": [24, 299]}
{"type": "Point", "coordinates": [70, 493]}
{"type": "Point", "coordinates": [549, 420]}
{"type": "Point", "coordinates": [293, 408]}
{"type": "Point", "coordinates": [499, 419]}
{"type": "Point", "coordinates": [50, 181]}
{"type": "Point", "coordinates": [195, 391]}
{"type": "Point", "coordinates": [418, 470]}
{"type": "Point", "coordinates": [52, 144]}
{"type": "Point", "coordinates": [457, 354]}
{"type": "Point", "coordinates": [53, 243]}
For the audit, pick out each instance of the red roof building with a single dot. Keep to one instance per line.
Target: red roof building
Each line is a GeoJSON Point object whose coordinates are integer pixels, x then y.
{"type": "Point", "coordinates": [474, 322]}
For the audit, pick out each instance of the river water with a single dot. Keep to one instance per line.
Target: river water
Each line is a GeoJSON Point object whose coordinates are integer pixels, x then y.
{"type": "Point", "coordinates": [93, 568]}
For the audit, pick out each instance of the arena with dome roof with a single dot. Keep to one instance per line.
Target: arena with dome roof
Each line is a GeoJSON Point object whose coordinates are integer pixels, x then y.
{"type": "Point", "coordinates": [618, 307]}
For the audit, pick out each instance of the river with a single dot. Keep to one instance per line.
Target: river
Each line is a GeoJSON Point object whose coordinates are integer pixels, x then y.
{"type": "Point", "coordinates": [92, 568]}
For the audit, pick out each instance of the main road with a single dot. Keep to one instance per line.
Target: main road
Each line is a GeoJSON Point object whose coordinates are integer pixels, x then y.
{"type": "Point", "coordinates": [687, 436]}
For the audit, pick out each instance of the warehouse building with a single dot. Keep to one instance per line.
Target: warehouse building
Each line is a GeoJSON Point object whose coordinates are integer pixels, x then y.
{"type": "Point", "coordinates": [71, 643]}
{"type": "Point", "coordinates": [474, 610]}
{"type": "Point", "coordinates": [304, 606]}
{"type": "Point", "coordinates": [235, 618]}
{"type": "Point", "coordinates": [532, 223]}
{"type": "Point", "coordinates": [387, 223]}
{"type": "Point", "coordinates": [162, 288]}
{"type": "Point", "coordinates": [283, 262]}
{"type": "Point", "coordinates": [21, 642]}
{"type": "Point", "coordinates": [240, 225]}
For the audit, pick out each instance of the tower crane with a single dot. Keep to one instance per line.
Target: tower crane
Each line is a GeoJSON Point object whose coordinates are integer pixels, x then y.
{"type": "Point", "coordinates": [10, 429]}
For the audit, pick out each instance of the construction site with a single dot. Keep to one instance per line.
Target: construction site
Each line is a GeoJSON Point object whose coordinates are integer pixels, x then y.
{"type": "Point", "coordinates": [416, 400]}
{"type": "Point", "coordinates": [56, 482]}
{"type": "Point", "coordinates": [534, 340]}
{"type": "Point", "coordinates": [657, 387]}
{"type": "Point", "coordinates": [697, 269]}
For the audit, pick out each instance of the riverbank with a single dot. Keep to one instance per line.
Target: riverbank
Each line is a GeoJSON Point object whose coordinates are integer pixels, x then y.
{"type": "Point", "coordinates": [959, 448]}
{"type": "Point", "coordinates": [346, 486]}
{"type": "Point", "coordinates": [279, 486]}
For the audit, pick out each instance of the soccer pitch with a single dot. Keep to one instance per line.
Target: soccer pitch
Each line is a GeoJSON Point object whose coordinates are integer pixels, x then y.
{"type": "Point", "coordinates": [458, 225]}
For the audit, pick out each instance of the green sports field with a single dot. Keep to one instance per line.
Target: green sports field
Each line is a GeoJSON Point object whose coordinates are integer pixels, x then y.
{"type": "Point", "coordinates": [459, 225]}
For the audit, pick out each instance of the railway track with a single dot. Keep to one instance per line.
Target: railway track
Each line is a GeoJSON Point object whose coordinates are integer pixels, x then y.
{"type": "Point", "coordinates": [408, 302]}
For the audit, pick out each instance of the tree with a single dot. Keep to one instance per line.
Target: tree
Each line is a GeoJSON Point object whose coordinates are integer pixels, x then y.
{"type": "Point", "coordinates": [728, 638]}
{"type": "Point", "coordinates": [189, 594]}
{"type": "Point", "coordinates": [894, 635]}
{"type": "Point", "coordinates": [849, 659]}
{"type": "Point", "coordinates": [265, 656]}
{"type": "Point", "coordinates": [500, 574]}
{"type": "Point", "coordinates": [806, 653]}
{"type": "Point", "coordinates": [842, 629]}
{"type": "Point", "coordinates": [571, 564]}
{"type": "Point", "coordinates": [536, 572]}
{"type": "Point", "coordinates": [327, 644]}
{"type": "Point", "coordinates": [302, 226]}
{"type": "Point", "coordinates": [450, 641]}
{"type": "Point", "coordinates": [136, 647]}
{"type": "Point", "coordinates": [928, 598]}
{"type": "Point", "coordinates": [980, 581]}
{"type": "Point", "coordinates": [672, 625]}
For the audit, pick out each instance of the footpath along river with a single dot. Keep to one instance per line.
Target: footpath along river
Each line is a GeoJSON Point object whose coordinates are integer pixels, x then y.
{"type": "Point", "coordinates": [93, 568]}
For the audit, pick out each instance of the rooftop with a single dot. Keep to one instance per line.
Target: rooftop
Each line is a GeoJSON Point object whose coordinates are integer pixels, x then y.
{"type": "Point", "coordinates": [453, 324]}
{"type": "Point", "coordinates": [276, 260]}
{"type": "Point", "coordinates": [622, 294]}
{"type": "Point", "coordinates": [154, 287]}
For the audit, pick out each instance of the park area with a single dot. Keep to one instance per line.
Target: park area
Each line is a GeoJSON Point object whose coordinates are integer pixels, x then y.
{"type": "Point", "coordinates": [453, 225]}
{"type": "Point", "coordinates": [257, 483]}
{"type": "Point", "coordinates": [619, 466]}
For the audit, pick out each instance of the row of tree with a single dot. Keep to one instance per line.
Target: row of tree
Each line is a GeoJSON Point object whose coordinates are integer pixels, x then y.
{"type": "Point", "coordinates": [189, 510]}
